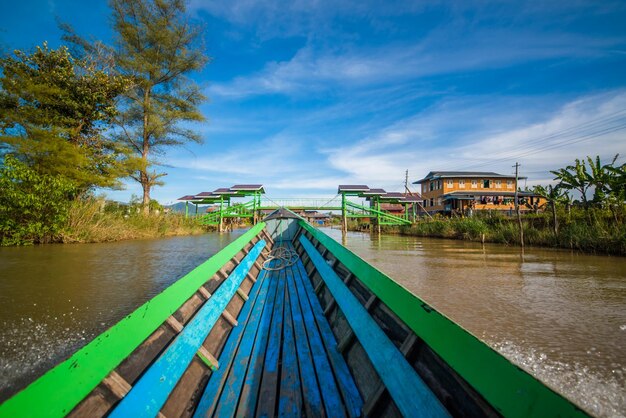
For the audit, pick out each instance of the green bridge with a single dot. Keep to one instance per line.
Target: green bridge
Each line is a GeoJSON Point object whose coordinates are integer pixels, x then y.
{"type": "Point", "coordinates": [253, 203]}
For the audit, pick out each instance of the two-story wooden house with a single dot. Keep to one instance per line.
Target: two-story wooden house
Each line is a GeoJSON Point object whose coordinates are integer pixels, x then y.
{"type": "Point", "coordinates": [458, 191]}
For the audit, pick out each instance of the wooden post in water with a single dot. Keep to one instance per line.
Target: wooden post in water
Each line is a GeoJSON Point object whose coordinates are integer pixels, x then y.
{"type": "Point", "coordinates": [519, 216]}
{"type": "Point", "coordinates": [344, 219]}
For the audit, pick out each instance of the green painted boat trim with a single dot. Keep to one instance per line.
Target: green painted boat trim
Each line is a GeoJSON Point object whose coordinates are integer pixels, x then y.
{"type": "Point", "coordinates": [58, 391]}
{"type": "Point", "coordinates": [509, 389]}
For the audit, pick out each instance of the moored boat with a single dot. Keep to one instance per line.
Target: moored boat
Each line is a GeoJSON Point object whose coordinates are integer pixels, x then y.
{"type": "Point", "coordinates": [285, 321]}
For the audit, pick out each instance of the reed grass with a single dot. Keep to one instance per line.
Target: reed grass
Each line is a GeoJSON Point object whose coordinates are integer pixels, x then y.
{"type": "Point", "coordinates": [591, 231]}
{"type": "Point", "coordinates": [90, 221]}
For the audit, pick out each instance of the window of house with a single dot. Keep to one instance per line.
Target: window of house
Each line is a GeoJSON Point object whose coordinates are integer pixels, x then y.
{"type": "Point", "coordinates": [498, 184]}
{"type": "Point", "coordinates": [509, 184]}
{"type": "Point", "coordinates": [462, 184]}
{"type": "Point", "coordinates": [432, 186]}
{"type": "Point", "coordinates": [474, 184]}
{"type": "Point", "coordinates": [425, 203]}
{"type": "Point", "coordinates": [432, 201]}
{"type": "Point", "coordinates": [438, 201]}
{"type": "Point", "coordinates": [486, 184]}
{"type": "Point", "coordinates": [450, 183]}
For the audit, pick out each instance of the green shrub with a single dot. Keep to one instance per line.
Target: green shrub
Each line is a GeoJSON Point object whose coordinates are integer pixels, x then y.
{"type": "Point", "coordinates": [33, 207]}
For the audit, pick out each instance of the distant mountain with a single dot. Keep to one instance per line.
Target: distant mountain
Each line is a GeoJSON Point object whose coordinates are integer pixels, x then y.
{"type": "Point", "coordinates": [180, 208]}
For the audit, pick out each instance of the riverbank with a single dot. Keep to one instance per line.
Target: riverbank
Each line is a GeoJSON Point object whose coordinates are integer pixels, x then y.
{"type": "Point", "coordinates": [88, 221]}
{"type": "Point", "coordinates": [584, 232]}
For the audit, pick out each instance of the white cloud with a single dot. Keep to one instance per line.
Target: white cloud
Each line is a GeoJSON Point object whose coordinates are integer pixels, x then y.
{"type": "Point", "coordinates": [428, 141]}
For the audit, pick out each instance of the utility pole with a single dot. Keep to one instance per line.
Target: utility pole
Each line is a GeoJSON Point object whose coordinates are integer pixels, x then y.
{"type": "Point", "coordinates": [519, 216]}
{"type": "Point", "coordinates": [410, 193]}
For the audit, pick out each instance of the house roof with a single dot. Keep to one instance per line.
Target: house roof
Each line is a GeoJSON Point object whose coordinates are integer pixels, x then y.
{"type": "Point", "coordinates": [373, 192]}
{"type": "Point", "coordinates": [435, 175]}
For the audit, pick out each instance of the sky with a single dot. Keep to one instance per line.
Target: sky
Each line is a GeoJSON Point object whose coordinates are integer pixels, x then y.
{"type": "Point", "coordinates": [305, 95]}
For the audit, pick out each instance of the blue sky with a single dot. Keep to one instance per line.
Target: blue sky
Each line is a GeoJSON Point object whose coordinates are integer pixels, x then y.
{"type": "Point", "coordinates": [305, 95]}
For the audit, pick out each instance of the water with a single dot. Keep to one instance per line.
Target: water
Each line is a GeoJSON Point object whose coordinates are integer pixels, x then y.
{"type": "Point", "coordinates": [56, 298]}
{"type": "Point", "coordinates": [559, 315]}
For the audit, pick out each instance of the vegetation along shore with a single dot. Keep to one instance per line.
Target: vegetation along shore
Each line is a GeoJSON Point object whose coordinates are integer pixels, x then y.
{"type": "Point", "coordinates": [594, 222]}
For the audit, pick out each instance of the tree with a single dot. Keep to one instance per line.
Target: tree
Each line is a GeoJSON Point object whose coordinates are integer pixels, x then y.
{"type": "Point", "coordinates": [157, 48]}
{"type": "Point", "coordinates": [553, 195]}
{"type": "Point", "coordinates": [574, 177]}
{"type": "Point", "coordinates": [54, 110]}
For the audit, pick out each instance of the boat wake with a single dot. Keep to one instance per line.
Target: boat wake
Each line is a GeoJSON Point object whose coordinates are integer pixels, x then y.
{"type": "Point", "coordinates": [597, 393]}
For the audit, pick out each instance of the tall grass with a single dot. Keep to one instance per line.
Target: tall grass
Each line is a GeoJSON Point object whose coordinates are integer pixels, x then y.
{"type": "Point", "coordinates": [592, 230]}
{"type": "Point", "coordinates": [90, 221]}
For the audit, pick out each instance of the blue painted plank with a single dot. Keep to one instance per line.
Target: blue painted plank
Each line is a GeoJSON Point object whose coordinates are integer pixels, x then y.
{"type": "Point", "coordinates": [323, 344]}
{"type": "Point", "coordinates": [290, 401]}
{"type": "Point", "coordinates": [407, 389]}
{"type": "Point", "coordinates": [310, 389]}
{"type": "Point", "coordinates": [213, 390]}
{"type": "Point", "coordinates": [228, 400]}
{"type": "Point", "coordinates": [252, 382]}
{"type": "Point", "coordinates": [150, 392]}
{"type": "Point", "coordinates": [269, 382]}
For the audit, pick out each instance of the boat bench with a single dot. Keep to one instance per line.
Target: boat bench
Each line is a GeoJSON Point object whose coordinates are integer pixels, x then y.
{"type": "Point", "coordinates": [407, 389]}
{"type": "Point", "coordinates": [282, 358]}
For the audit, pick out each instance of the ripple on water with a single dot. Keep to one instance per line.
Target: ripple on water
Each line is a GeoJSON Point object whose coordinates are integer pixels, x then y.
{"type": "Point", "coordinates": [29, 348]}
{"type": "Point", "coordinates": [598, 394]}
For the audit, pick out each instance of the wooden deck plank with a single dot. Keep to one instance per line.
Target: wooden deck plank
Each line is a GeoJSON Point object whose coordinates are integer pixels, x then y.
{"type": "Point", "coordinates": [325, 361]}
{"type": "Point", "coordinates": [150, 392]}
{"type": "Point", "coordinates": [229, 398]}
{"type": "Point", "coordinates": [252, 382]}
{"type": "Point", "coordinates": [269, 381]}
{"type": "Point", "coordinates": [213, 390]}
{"type": "Point", "coordinates": [290, 397]}
{"type": "Point", "coordinates": [407, 389]}
{"type": "Point", "coordinates": [311, 392]}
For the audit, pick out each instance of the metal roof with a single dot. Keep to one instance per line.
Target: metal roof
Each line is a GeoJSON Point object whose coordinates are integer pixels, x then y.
{"type": "Point", "coordinates": [247, 187]}
{"type": "Point", "coordinates": [372, 192]}
{"type": "Point", "coordinates": [352, 188]}
{"type": "Point", "coordinates": [187, 197]}
{"type": "Point", "coordinates": [434, 175]}
{"type": "Point", "coordinates": [224, 190]}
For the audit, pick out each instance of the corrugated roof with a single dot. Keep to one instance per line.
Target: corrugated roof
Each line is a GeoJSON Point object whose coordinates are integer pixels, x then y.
{"type": "Point", "coordinates": [433, 175]}
{"type": "Point", "coordinates": [352, 188]}
{"type": "Point", "coordinates": [372, 192]}
{"type": "Point", "coordinates": [187, 197]}
{"type": "Point", "coordinates": [204, 194]}
{"type": "Point", "coordinates": [223, 190]}
{"type": "Point", "coordinates": [247, 187]}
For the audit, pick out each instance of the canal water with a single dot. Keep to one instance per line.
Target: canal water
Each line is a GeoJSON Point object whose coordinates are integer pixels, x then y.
{"type": "Point", "coordinates": [559, 315]}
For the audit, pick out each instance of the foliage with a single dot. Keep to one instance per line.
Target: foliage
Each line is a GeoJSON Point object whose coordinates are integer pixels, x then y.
{"type": "Point", "coordinates": [94, 220]}
{"type": "Point", "coordinates": [607, 180]}
{"type": "Point", "coordinates": [33, 206]}
{"type": "Point", "coordinates": [54, 110]}
{"type": "Point", "coordinates": [157, 48]}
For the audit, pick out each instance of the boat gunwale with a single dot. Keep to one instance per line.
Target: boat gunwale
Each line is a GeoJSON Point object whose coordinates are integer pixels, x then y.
{"type": "Point", "coordinates": [511, 390]}
{"type": "Point", "coordinates": [64, 386]}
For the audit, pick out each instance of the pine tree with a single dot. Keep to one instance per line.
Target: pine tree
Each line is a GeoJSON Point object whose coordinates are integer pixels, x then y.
{"type": "Point", "coordinates": [157, 47]}
{"type": "Point", "coordinates": [54, 111]}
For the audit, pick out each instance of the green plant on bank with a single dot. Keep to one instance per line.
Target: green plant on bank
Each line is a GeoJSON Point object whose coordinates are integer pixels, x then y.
{"type": "Point", "coordinates": [94, 220]}
{"type": "Point", "coordinates": [33, 206]}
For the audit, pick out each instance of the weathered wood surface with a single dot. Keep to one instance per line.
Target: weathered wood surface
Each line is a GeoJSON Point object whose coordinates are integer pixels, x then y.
{"type": "Point", "coordinates": [408, 390]}
{"type": "Point", "coordinates": [152, 390]}
{"type": "Point", "coordinates": [277, 363]}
